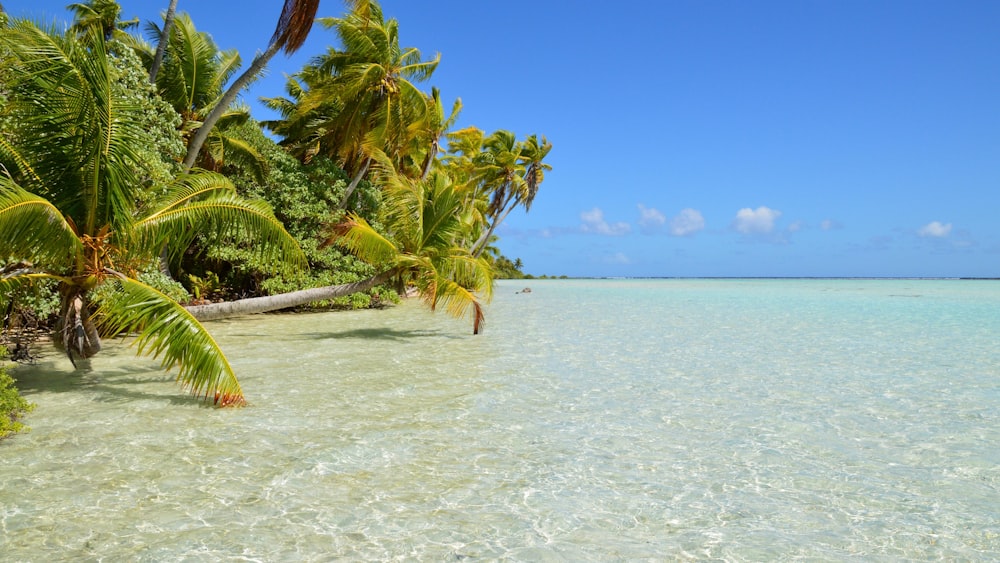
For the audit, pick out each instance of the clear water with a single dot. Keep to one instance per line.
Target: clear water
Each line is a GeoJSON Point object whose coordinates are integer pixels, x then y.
{"type": "Point", "coordinates": [594, 420]}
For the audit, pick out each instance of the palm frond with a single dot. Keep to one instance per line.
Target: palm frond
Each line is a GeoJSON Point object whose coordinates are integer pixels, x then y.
{"type": "Point", "coordinates": [234, 117]}
{"type": "Point", "coordinates": [12, 156]}
{"type": "Point", "coordinates": [165, 329]}
{"type": "Point", "coordinates": [81, 139]}
{"type": "Point", "coordinates": [32, 229]}
{"type": "Point", "coordinates": [360, 238]}
{"type": "Point", "coordinates": [206, 204]}
{"type": "Point", "coordinates": [244, 155]}
{"type": "Point", "coordinates": [458, 301]}
{"type": "Point", "coordinates": [188, 187]}
{"type": "Point", "coordinates": [474, 273]}
{"type": "Point", "coordinates": [195, 56]}
{"type": "Point", "coordinates": [294, 24]}
{"type": "Point", "coordinates": [229, 62]}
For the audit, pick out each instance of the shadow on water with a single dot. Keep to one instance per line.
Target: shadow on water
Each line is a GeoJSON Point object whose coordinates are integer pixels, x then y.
{"type": "Point", "coordinates": [390, 334]}
{"type": "Point", "coordinates": [111, 385]}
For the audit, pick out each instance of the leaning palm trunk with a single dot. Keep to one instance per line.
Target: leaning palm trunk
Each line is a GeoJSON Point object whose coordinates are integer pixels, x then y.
{"type": "Point", "coordinates": [293, 27]}
{"type": "Point", "coordinates": [354, 183]}
{"type": "Point", "coordinates": [161, 47]}
{"type": "Point", "coordinates": [253, 305]}
{"type": "Point", "coordinates": [201, 135]}
{"type": "Point", "coordinates": [480, 245]}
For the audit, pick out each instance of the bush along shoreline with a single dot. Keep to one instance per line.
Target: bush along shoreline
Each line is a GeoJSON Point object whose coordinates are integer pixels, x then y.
{"type": "Point", "coordinates": [12, 405]}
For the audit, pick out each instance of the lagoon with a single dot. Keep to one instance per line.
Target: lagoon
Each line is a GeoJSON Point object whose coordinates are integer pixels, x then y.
{"type": "Point", "coordinates": [592, 420]}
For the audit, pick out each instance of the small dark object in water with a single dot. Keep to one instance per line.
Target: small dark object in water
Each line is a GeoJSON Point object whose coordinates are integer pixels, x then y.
{"type": "Point", "coordinates": [21, 354]}
{"type": "Point", "coordinates": [525, 290]}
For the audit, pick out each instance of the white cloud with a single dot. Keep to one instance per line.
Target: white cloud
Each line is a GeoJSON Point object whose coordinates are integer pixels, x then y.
{"type": "Point", "coordinates": [935, 229]}
{"type": "Point", "coordinates": [796, 227]}
{"type": "Point", "coordinates": [593, 222]}
{"type": "Point", "coordinates": [650, 218]}
{"type": "Point", "coordinates": [755, 221]}
{"type": "Point", "coordinates": [829, 225]}
{"type": "Point", "coordinates": [687, 222]}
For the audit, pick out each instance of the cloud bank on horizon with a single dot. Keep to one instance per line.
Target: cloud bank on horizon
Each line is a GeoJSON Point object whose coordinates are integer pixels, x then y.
{"type": "Point", "coordinates": [763, 226]}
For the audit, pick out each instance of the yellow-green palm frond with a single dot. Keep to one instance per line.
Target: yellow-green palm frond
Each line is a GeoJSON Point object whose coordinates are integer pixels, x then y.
{"type": "Point", "coordinates": [361, 239]}
{"type": "Point", "coordinates": [442, 224]}
{"type": "Point", "coordinates": [229, 64]}
{"type": "Point", "coordinates": [189, 79]}
{"type": "Point", "coordinates": [13, 157]}
{"type": "Point", "coordinates": [163, 328]}
{"type": "Point", "coordinates": [32, 229]}
{"type": "Point", "coordinates": [189, 187]}
{"type": "Point", "coordinates": [473, 273]}
{"type": "Point", "coordinates": [459, 301]}
{"type": "Point", "coordinates": [206, 203]}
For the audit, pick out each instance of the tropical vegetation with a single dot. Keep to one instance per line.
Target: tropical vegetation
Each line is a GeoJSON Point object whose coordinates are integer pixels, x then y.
{"type": "Point", "coordinates": [139, 197]}
{"type": "Point", "coordinates": [13, 406]}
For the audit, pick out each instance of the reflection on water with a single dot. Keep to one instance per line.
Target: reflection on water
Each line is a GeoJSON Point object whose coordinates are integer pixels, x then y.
{"type": "Point", "coordinates": [592, 420]}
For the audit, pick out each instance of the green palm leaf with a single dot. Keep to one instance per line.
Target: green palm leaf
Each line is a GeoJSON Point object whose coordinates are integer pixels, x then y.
{"type": "Point", "coordinates": [206, 203]}
{"type": "Point", "coordinates": [32, 229]}
{"type": "Point", "coordinates": [164, 328]}
{"type": "Point", "coordinates": [241, 153]}
{"type": "Point", "coordinates": [13, 158]}
{"type": "Point", "coordinates": [80, 139]}
{"type": "Point", "coordinates": [356, 235]}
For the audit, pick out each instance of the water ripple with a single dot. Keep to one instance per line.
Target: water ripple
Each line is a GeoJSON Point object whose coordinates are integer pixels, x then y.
{"type": "Point", "coordinates": [594, 420]}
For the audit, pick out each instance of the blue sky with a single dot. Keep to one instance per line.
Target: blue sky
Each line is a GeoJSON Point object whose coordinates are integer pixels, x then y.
{"type": "Point", "coordinates": [711, 137]}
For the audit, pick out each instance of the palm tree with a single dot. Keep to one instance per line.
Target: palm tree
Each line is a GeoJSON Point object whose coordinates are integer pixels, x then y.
{"type": "Point", "coordinates": [103, 15]}
{"type": "Point", "coordinates": [425, 232]}
{"type": "Point", "coordinates": [299, 131]}
{"type": "Point", "coordinates": [426, 134]}
{"type": "Point", "coordinates": [73, 211]}
{"type": "Point", "coordinates": [290, 33]}
{"type": "Point", "coordinates": [422, 246]}
{"type": "Point", "coordinates": [192, 81]}
{"type": "Point", "coordinates": [358, 101]}
{"type": "Point", "coordinates": [502, 175]}
{"type": "Point", "coordinates": [513, 191]}
{"type": "Point", "coordinates": [161, 44]}
{"type": "Point", "coordinates": [499, 173]}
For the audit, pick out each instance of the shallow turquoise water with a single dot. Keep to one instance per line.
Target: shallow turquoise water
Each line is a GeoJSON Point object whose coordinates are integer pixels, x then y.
{"type": "Point", "coordinates": [593, 420]}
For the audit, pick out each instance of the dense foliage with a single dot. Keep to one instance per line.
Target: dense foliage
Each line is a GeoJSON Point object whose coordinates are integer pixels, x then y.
{"type": "Point", "coordinates": [366, 193]}
{"type": "Point", "coordinates": [12, 406]}
{"type": "Point", "coordinates": [80, 206]}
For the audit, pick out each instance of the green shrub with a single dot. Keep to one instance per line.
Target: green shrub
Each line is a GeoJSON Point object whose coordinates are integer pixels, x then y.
{"type": "Point", "coordinates": [153, 278]}
{"type": "Point", "coordinates": [12, 404]}
{"type": "Point", "coordinates": [304, 198]}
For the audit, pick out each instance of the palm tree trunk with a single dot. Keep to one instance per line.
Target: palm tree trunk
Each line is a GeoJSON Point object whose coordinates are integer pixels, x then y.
{"type": "Point", "coordinates": [77, 333]}
{"type": "Point", "coordinates": [480, 246]}
{"type": "Point", "coordinates": [258, 64]}
{"type": "Point", "coordinates": [164, 264]}
{"type": "Point", "coordinates": [161, 47]}
{"type": "Point", "coordinates": [429, 160]}
{"type": "Point", "coordinates": [354, 183]}
{"type": "Point", "coordinates": [293, 27]}
{"type": "Point", "coordinates": [215, 311]}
